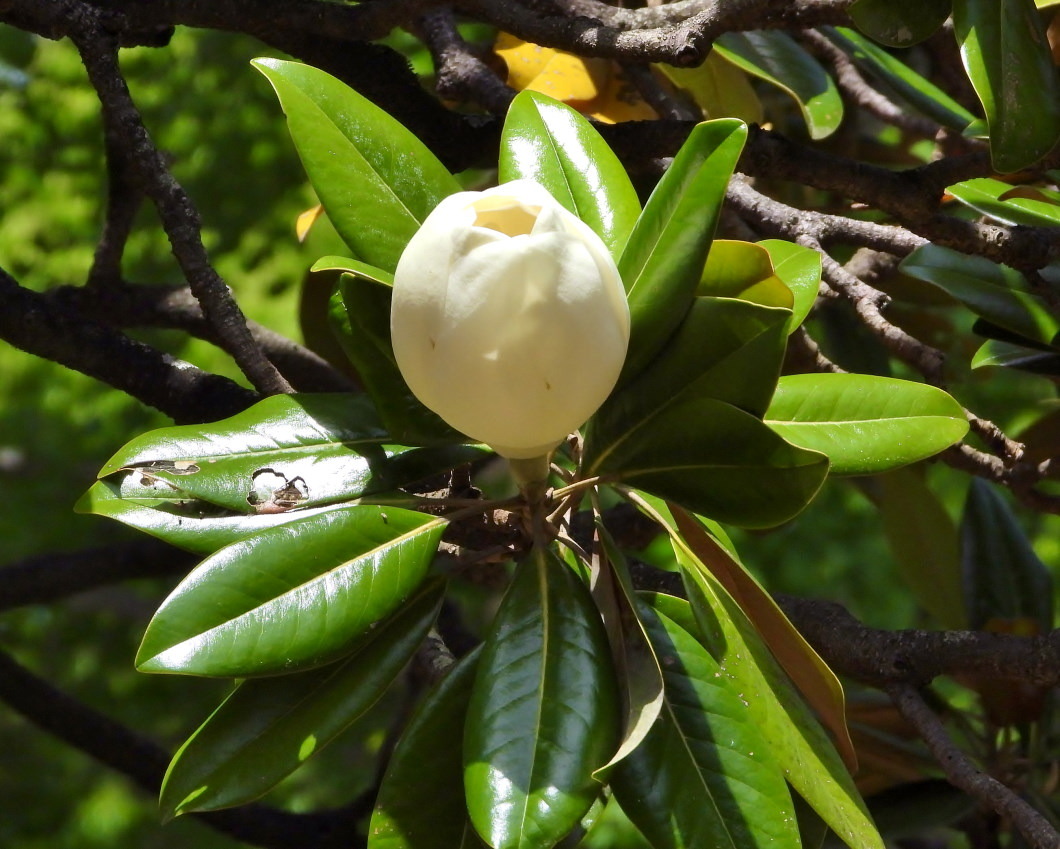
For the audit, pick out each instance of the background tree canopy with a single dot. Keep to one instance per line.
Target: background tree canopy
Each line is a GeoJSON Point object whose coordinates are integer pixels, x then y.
{"type": "Point", "coordinates": [892, 213]}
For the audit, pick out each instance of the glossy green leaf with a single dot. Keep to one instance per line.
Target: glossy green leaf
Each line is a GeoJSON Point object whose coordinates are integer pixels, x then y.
{"type": "Point", "coordinates": [704, 776]}
{"type": "Point", "coordinates": [354, 267]}
{"type": "Point", "coordinates": [799, 269]}
{"type": "Point", "coordinates": [923, 539]}
{"type": "Point", "coordinates": [718, 461]}
{"type": "Point", "coordinates": [1006, 55]}
{"type": "Point", "coordinates": [286, 452]}
{"type": "Point", "coordinates": [548, 142]}
{"type": "Point", "coordinates": [995, 292]}
{"type": "Point", "coordinates": [795, 737]}
{"type": "Point", "coordinates": [664, 258]}
{"type": "Point", "coordinates": [637, 665]}
{"type": "Point", "coordinates": [863, 423]}
{"type": "Point", "coordinates": [294, 596]}
{"type": "Point", "coordinates": [377, 181]}
{"type": "Point", "coordinates": [179, 518]}
{"type": "Point", "coordinates": [776, 57]}
{"type": "Point", "coordinates": [743, 270]}
{"type": "Point", "coordinates": [1030, 205]}
{"type": "Point", "coordinates": [268, 727]}
{"type": "Point", "coordinates": [994, 352]}
{"type": "Point", "coordinates": [896, 75]}
{"type": "Point", "coordinates": [899, 24]}
{"type": "Point", "coordinates": [544, 710]}
{"type": "Point", "coordinates": [360, 316]}
{"type": "Point", "coordinates": [421, 800]}
{"type": "Point", "coordinates": [1004, 579]}
{"type": "Point", "coordinates": [815, 680]}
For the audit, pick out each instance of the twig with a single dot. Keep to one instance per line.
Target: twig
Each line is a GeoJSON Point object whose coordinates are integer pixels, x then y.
{"type": "Point", "coordinates": [964, 774]}
{"type": "Point", "coordinates": [460, 74]}
{"type": "Point", "coordinates": [179, 217]}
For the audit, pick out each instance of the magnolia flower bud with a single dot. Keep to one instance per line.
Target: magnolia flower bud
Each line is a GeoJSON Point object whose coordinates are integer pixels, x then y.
{"type": "Point", "coordinates": [509, 318]}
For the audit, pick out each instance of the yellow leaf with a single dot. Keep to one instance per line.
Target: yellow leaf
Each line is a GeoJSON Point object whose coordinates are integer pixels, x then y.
{"type": "Point", "coordinates": [620, 102]}
{"type": "Point", "coordinates": [719, 88]}
{"type": "Point", "coordinates": [306, 220]}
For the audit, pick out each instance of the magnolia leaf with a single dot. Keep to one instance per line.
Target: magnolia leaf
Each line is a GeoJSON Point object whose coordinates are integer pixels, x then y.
{"type": "Point", "coordinates": [292, 597]}
{"type": "Point", "coordinates": [863, 423]}
{"type": "Point", "coordinates": [544, 710]}
{"type": "Point", "coordinates": [268, 727]}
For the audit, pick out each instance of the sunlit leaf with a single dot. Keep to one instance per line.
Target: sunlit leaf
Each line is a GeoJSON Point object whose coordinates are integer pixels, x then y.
{"type": "Point", "coordinates": [553, 145]}
{"type": "Point", "coordinates": [863, 423]}
{"type": "Point", "coordinates": [719, 88]}
{"type": "Point", "coordinates": [293, 596]}
{"type": "Point", "coordinates": [1010, 204]}
{"type": "Point", "coordinates": [544, 710]}
{"type": "Point", "coordinates": [799, 268]}
{"type": "Point", "coordinates": [743, 270]}
{"type": "Point", "coordinates": [376, 180]}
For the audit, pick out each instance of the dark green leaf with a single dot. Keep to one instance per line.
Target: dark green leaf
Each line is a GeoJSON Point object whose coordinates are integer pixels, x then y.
{"type": "Point", "coordinates": [863, 423]}
{"type": "Point", "coordinates": [377, 181]}
{"type": "Point", "coordinates": [548, 142]}
{"type": "Point", "coordinates": [268, 727]}
{"type": "Point", "coordinates": [1004, 579]}
{"type": "Point", "coordinates": [1009, 204]}
{"type": "Point", "coordinates": [995, 292]}
{"type": "Point", "coordinates": [776, 57]}
{"type": "Point", "coordinates": [664, 258]}
{"type": "Point", "coordinates": [544, 711]}
{"type": "Point", "coordinates": [421, 800]}
{"type": "Point", "coordinates": [899, 24]}
{"type": "Point", "coordinates": [994, 352]}
{"type": "Point", "coordinates": [703, 776]}
{"type": "Point", "coordinates": [923, 539]}
{"type": "Point", "coordinates": [360, 314]}
{"type": "Point", "coordinates": [1006, 54]}
{"type": "Point", "coordinates": [719, 461]}
{"type": "Point", "coordinates": [294, 596]}
{"type": "Point", "coordinates": [893, 73]}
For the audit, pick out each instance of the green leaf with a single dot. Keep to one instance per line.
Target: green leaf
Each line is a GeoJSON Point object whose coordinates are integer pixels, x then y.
{"type": "Point", "coordinates": [703, 776]}
{"type": "Point", "coordinates": [995, 292]}
{"type": "Point", "coordinates": [268, 727]}
{"type": "Point", "coordinates": [548, 142]}
{"type": "Point", "coordinates": [994, 352]}
{"type": "Point", "coordinates": [743, 270]}
{"type": "Point", "coordinates": [179, 518]}
{"type": "Point", "coordinates": [794, 736]}
{"type": "Point", "coordinates": [775, 57]}
{"type": "Point", "coordinates": [664, 258]}
{"type": "Point", "coordinates": [1006, 54]}
{"type": "Point", "coordinates": [1014, 205]}
{"type": "Point", "coordinates": [360, 316]}
{"type": "Point", "coordinates": [544, 710]}
{"type": "Point", "coordinates": [294, 596]}
{"type": "Point", "coordinates": [377, 181]}
{"type": "Point", "coordinates": [899, 24]}
{"type": "Point", "coordinates": [719, 88]}
{"type": "Point", "coordinates": [923, 539]}
{"type": "Point", "coordinates": [1004, 579]}
{"type": "Point", "coordinates": [283, 453]}
{"type": "Point", "coordinates": [863, 423]}
{"type": "Point", "coordinates": [421, 800]}
{"type": "Point", "coordinates": [719, 461]}
{"type": "Point", "coordinates": [799, 269]}
{"type": "Point", "coordinates": [354, 267]}
{"type": "Point", "coordinates": [888, 69]}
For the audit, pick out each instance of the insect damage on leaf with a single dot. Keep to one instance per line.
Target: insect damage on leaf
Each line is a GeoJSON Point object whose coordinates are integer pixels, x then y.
{"type": "Point", "coordinates": [272, 492]}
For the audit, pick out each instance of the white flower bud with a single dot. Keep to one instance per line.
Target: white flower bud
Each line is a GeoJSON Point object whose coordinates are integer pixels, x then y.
{"type": "Point", "coordinates": [509, 318]}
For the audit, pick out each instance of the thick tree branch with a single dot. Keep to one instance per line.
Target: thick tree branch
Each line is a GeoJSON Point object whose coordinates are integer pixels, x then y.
{"type": "Point", "coordinates": [180, 390]}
